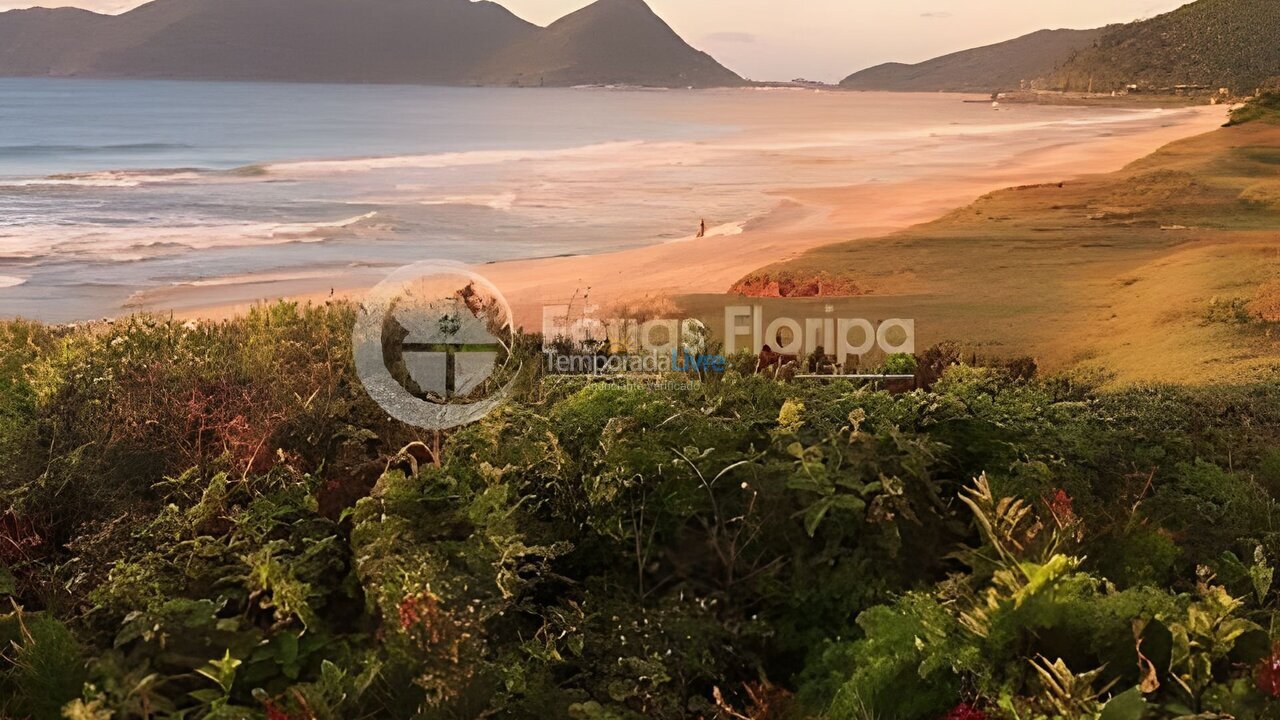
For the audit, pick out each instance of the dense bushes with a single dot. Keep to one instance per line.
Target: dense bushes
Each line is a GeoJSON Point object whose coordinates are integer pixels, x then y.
{"type": "Point", "coordinates": [215, 522]}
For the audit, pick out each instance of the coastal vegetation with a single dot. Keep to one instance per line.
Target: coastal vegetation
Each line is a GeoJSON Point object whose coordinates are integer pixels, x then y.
{"type": "Point", "coordinates": [213, 521]}
{"type": "Point", "coordinates": [1123, 272]}
{"type": "Point", "coordinates": [1264, 108]}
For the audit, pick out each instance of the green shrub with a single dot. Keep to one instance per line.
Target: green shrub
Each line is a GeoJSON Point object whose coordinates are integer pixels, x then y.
{"type": "Point", "coordinates": [900, 364]}
{"type": "Point", "coordinates": [41, 668]}
{"type": "Point", "coordinates": [214, 521]}
{"type": "Point", "coordinates": [1264, 108]}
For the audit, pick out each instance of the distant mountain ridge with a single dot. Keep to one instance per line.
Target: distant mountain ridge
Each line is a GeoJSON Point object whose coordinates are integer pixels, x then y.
{"type": "Point", "coordinates": [445, 42]}
{"type": "Point", "coordinates": [1214, 43]}
{"type": "Point", "coordinates": [623, 40]}
{"type": "Point", "coordinates": [1002, 66]}
{"type": "Point", "coordinates": [1211, 44]}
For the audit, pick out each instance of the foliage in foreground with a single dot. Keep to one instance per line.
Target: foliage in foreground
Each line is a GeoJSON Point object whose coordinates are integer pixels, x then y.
{"type": "Point", "coordinates": [215, 522]}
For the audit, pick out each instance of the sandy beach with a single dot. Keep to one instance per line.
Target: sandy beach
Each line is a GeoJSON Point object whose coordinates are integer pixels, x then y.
{"type": "Point", "coordinates": [801, 219]}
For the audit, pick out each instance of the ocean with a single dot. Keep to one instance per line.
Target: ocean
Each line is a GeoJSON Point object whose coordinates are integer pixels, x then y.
{"type": "Point", "coordinates": [112, 189]}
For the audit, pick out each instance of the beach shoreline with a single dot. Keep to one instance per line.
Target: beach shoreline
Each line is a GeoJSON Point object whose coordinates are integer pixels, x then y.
{"type": "Point", "coordinates": [800, 220]}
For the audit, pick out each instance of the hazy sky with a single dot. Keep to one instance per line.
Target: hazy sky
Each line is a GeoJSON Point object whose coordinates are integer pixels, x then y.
{"type": "Point", "coordinates": [827, 39]}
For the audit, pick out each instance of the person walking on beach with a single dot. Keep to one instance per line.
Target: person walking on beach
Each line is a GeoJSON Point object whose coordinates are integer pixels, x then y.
{"type": "Point", "coordinates": [702, 227]}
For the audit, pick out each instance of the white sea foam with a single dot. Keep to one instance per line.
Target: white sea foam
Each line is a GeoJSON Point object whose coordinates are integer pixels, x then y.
{"type": "Point", "coordinates": [107, 179]}
{"type": "Point", "coordinates": [442, 160]}
{"type": "Point", "coordinates": [501, 201]}
{"type": "Point", "coordinates": [8, 281]}
{"type": "Point", "coordinates": [135, 243]}
{"type": "Point", "coordinates": [102, 182]}
{"type": "Point", "coordinates": [884, 138]}
{"type": "Point", "coordinates": [722, 230]}
{"type": "Point", "coordinates": [255, 278]}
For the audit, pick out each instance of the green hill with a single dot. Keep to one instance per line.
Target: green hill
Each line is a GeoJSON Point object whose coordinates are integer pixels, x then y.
{"type": "Point", "coordinates": [1002, 66]}
{"type": "Point", "coordinates": [1215, 43]}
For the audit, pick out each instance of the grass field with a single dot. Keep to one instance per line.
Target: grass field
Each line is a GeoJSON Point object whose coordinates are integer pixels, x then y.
{"type": "Point", "coordinates": [1158, 272]}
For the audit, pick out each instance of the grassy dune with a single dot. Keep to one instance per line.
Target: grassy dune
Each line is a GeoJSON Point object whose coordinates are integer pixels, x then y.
{"type": "Point", "coordinates": [1160, 271]}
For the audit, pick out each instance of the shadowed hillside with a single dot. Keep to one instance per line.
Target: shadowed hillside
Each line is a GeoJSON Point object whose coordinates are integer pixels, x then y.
{"type": "Point", "coordinates": [43, 41]}
{"type": "Point", "coordinates": [1003, 66]}
{"type": "Point", "coordinates": [442, 42]}
{"type": "Point", "coordinates": [1215, 43]}
{"type": "Point", "coordinates": [610, 41]}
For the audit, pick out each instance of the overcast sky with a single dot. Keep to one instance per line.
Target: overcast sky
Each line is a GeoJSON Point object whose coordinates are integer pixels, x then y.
{"type": "Point", "coordinates": [826, 39]}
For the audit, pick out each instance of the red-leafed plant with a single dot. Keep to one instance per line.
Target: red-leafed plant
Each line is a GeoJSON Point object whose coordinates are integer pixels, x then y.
{"type": "Point", "coordinates": [966, 711]}
{"type": "Point", "coordinates": [1266, 673]}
